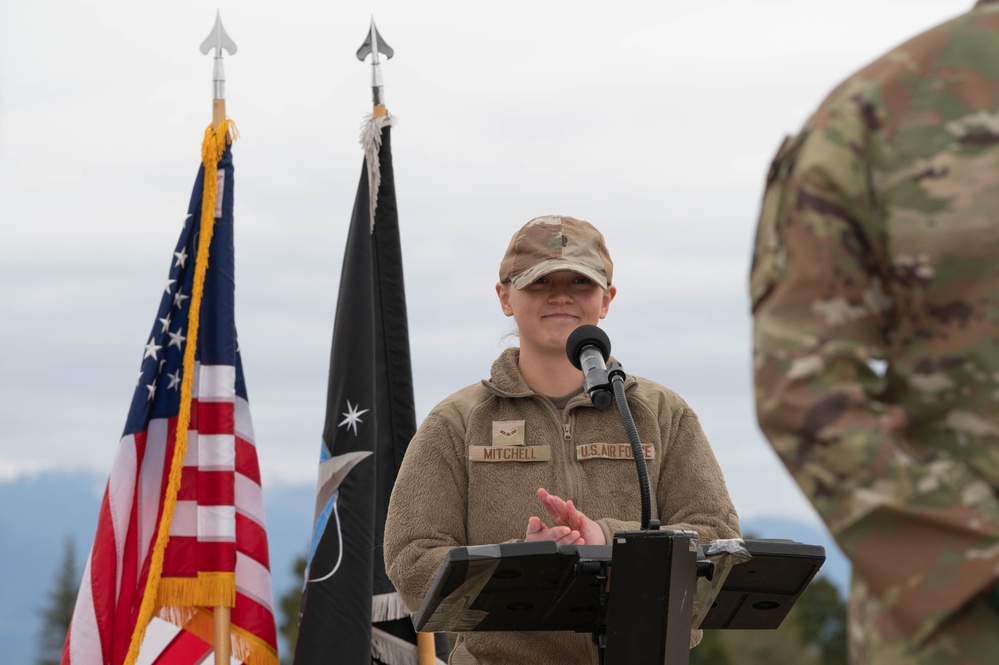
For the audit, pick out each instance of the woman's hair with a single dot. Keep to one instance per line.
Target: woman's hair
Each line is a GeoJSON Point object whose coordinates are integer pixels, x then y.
{"type": "Point", "coordinates": [511, 336]}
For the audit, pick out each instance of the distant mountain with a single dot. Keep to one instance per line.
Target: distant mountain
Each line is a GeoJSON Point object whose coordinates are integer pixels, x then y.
{"type": "Point", "coordinates": [38, 513]}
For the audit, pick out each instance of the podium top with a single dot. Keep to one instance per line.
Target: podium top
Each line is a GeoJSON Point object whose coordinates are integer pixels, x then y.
{"type": "Point", "coordinates": [516, 586]}
{"type": "Point", "coordinates": [546, 586]}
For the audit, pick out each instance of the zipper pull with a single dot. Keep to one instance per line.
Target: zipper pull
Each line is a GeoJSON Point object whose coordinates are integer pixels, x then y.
{"type": "Point", "coordinates": [566, 435]}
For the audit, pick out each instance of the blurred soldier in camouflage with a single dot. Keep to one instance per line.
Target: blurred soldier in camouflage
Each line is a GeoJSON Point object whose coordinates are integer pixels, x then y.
{"type": "Point", "coordinates": [875, 291]}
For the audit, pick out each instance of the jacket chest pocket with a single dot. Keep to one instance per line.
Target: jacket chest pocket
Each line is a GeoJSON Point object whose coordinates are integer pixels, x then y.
{"type": "Point", "coordinates": [612, 464]}
{"type": "Point", "coordinates": [609, 477]}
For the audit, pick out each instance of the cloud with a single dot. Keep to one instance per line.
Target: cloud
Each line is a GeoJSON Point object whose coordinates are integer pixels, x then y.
{"type": "Point", "coordinates": [655, 121]}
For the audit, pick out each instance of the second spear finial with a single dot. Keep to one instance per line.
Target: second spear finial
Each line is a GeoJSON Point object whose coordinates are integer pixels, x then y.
{"type": "Point", "coordinates": [374, 44]}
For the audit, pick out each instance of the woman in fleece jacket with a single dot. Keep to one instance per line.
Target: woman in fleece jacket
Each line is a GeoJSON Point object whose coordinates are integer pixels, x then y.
{"type": "Point", "coordinates": [524, 455]}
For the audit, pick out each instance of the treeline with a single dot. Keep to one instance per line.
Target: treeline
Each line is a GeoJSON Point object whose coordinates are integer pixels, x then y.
{"type": "Point", "coordinates": [814, 633]}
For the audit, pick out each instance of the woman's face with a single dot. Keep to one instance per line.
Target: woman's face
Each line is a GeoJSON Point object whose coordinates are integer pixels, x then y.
{"type": "Point", "coordinates": [551, 307]}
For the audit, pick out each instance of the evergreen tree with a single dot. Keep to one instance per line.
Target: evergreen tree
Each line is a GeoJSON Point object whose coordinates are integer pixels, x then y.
{"type": "Point", "coordinates": [57, 615]}
{"type": "Point", "coordinates": [711, 650]}
{"type": "Point", "coordinates": [821, 616]}
{"type": "Point", "coordinates": [768, 647]}
{"type": "Point", "coordinates": [289, 603]}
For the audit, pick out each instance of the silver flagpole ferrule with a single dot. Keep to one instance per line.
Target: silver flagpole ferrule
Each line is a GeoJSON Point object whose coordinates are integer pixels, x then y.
{"type": "Point", "coordinates": [218, 80]}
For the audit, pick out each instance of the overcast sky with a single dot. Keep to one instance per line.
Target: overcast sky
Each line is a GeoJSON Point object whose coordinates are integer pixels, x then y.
{"type": "Point", "coordinates": [656, 121]}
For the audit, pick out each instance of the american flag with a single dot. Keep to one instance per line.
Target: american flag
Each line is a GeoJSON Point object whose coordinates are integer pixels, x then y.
{"type": "Point", "coordinates": [181, 528]}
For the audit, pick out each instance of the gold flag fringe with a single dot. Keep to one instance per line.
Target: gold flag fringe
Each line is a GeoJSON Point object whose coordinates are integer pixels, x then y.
{"type": "Point", "coordinates": [205, 590]}
{"type": "Point", "coordinates": [211, 152]}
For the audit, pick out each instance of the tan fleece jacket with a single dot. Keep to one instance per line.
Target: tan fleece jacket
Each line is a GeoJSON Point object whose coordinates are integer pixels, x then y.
{"type": "Point", "coordinates": [471, 474]}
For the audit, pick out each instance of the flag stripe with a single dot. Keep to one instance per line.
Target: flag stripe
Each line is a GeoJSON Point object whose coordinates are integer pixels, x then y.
{"type": "Point", "coordinates": [216, 383]}
{"type": "Point", "coordinates": [246, 460]}
{"type": "Point", "coordinates": [120, 495]}
{"type": "Point", "coordinates": [87, 646]}
{"type": "Point", "coordinates": [250, 499]}
{"type": "Point", "coordinates": [243, 425]}
{"type": "Point", "coordinates": [152, 450]}
{"type": "Point", "coordinates": [215, 417]}
{"type": "Point", "coordinates": [185, 649]}
{"type": "Point", "coordinates": [216, 523]}
{"type": "Point", "coordinates": [255, 617]}
{"type": "Point", "coordinates": [185, 521]}
{"type": "Point", "coordinates": [216, 452]}
{"type": "Point", "coordinates": [216, 488]}
{"type": "Point", "coordinates": [166, 644]}
{"type": "Point", "coordinates": [248, 540]}
{"type": "Point", "coordinates": [253, 579]}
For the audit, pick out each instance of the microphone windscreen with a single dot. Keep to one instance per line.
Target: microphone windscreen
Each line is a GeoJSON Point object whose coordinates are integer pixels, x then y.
{"type": "Point", "coordinates": [584, 336]}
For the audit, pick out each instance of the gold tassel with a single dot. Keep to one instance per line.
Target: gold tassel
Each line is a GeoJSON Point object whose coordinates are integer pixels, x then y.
{"type": "Point", "coordinates": [211, 152]}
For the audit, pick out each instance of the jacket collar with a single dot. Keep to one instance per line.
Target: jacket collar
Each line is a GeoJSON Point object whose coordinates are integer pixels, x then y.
{"type": "Point", "coordinates": [505, 378]}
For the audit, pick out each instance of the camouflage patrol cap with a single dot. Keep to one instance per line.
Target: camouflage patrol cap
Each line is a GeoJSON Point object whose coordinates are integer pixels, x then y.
{"type": "Point", "coordinates": [551, 243]}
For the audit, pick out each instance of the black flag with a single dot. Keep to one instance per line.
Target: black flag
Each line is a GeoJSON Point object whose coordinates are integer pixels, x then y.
{"type": "Point", "coordinates": [350, 611]}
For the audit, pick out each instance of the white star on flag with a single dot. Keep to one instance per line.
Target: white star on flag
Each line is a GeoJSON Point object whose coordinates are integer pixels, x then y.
{"type": "Point", "coordinates": [151, 387]}
{"type": "Point", "coordinates": [176, 339]}
{"type": "Point", "coordinates": [353, 417]}
{"type": "Point", "coordinates": [179, 298]}
{"type": "Point", "coordinates": [169, 283]}
{"type": "Point", "coordinates": [174, 380]}
{"type": "Point", "coordinates": [181, 257]}
{"type": "Point", "coordinates": [152, 349]}
{"type": "Point", "coordinates": [166, 324]}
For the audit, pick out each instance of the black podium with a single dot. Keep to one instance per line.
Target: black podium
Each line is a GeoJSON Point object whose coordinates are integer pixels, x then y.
{"type": "Point", "coordinates": [635, 597]}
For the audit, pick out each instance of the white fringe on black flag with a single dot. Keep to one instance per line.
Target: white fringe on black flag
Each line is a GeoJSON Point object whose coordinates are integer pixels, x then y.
{"type": "Point", "coordinates": [371, 141]}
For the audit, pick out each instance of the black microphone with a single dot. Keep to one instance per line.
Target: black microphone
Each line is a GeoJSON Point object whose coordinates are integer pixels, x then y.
{"type": "Point", "coordinates": [588, 348]}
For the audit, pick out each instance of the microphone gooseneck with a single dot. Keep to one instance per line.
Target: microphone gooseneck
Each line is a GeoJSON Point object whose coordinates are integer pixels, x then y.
{"type": "Point", "coordinates": [636, 448]}
{"type": "Point", "coordinates": [588, 348]}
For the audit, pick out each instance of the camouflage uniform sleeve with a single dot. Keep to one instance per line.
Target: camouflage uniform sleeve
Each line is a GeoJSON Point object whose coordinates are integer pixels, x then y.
{"type": "Point", "coordinates": [922, 537]}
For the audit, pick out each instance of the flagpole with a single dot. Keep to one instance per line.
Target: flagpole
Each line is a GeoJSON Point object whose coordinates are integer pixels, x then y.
{"type": "Point", "coordinates": [375, 45]}
{"type": "Point", "coordinates": [222, 641]}
{"type": "Point", "coordinates": [220, 41]}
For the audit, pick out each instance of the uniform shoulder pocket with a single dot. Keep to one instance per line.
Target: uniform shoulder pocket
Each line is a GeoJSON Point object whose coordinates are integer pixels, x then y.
{"type": "Point", "coordinates": [769, 255]}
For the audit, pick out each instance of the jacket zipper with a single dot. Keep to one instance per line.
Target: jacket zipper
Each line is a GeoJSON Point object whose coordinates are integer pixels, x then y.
{"type": "Point", "coordinates": [569, 467]}
{"type": "Point", "coordinates": [570, 472]}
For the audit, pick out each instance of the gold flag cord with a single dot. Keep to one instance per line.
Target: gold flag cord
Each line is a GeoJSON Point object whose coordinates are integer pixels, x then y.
{"type": "Point", "coordinates": [216, 138]}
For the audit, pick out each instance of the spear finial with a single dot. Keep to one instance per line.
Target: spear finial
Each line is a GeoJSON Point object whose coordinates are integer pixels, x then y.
{"type": "Point", "coordinates": [374, 44]}
{"type": "Point", "coordinates": [218, 39]}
